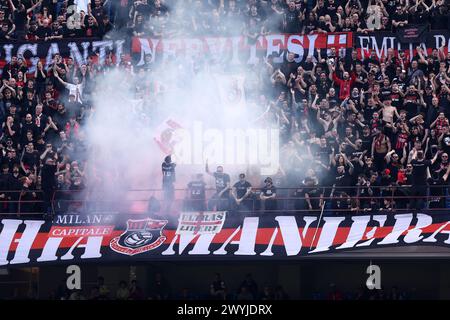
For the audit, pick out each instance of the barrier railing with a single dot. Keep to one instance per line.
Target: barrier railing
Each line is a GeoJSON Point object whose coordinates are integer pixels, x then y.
{"type": "Point", "coordinates": [304, 199]}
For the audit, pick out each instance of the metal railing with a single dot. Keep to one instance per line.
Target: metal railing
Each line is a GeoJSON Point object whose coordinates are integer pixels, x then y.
{"type": "Point", "coordinates": [304, 199]}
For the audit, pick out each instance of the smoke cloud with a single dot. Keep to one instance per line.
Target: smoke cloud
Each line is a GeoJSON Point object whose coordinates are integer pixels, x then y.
{"type": "Point", "coordinates": [193, 109]}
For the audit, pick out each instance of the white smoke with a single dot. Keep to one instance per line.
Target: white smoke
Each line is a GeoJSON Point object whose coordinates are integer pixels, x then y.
{"type": "Point", "coordinates": [128, 123]}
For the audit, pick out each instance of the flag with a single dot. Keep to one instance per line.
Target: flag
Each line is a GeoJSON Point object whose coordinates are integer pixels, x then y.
{"type": "Point", "coordinates": [231, 90]}
{"type": "Point", "coordinates": [165, 136]}
{"type": "Point", "coordinates": [337, 41]}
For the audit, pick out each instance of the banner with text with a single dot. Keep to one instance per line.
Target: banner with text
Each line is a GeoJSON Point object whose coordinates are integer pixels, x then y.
{"type": "Point", "coordinates": [108, 238]}
{"type": "Point", "coordinates": [381, 42]}
{"type": "Point", "coordinates": [237, 50]}
{"type": "Point", "coordinates": [79, 49]}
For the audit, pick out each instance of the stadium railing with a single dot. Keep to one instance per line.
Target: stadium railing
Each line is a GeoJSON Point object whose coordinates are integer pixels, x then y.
{"type": "Point", "coordinates": [328, 199]}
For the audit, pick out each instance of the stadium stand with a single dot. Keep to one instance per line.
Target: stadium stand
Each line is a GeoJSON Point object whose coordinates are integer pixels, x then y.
{"type": "Point", "coordinates": [373, 131]}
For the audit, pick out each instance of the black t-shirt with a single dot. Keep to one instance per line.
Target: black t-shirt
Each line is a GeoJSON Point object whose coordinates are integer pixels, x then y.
{"type": "Point", "coordinates": [323, 86]}
{"type": "Point", "coordinates": [241, 188]}
{"type": "Point", "coordinates": [268, 191]}
{"type": "Point", "coordinates": [7, 182]}
{"type": "Point", "coordinates": [43, 32]}
{"type": "Point", "coordinates": [20, 18]}
{"type": "Point", "coordinates": [48, 176]}
{"type": "Point", "coordinates": [30, 159]}
{"type": "Point", "coordinates": [3, 35]}
{"type": "Point", "coordinates": [168, 170]}
{"type": "Point", "coordinates": [366, 142]}
{"type": "Point", "coordinates": [313, 194]}
{"type": "Point", "coordinates": [362, 77]}
{"type": "Point", "coordinates": [410, 102]}
{"type": "Point", "coordinates": [420, 171]}
{"type": "Point", "coordinates": [293, 25]}
{"type": "Point", "coordinates": [343, 203]}
{"type": "Point", "coordinates": [439, 168]}
{"type": "Point", "coordinates": [323, 153]}
{"type": "Point", "coordinates": [104, 29]}
{"type": "Point", "coordinates": [98, 13]}
{"type": "Point", "coordinates": [331, 9]}
{"type": "Point", "coordinates": [57, 32]}
{"type": "Point", "coordinates": [364, 195]}
{"type": "Point", "coordinates": [28, 106]}
{"type": "Point", "coordinates": [397, 100]}
{"type": "Point", "coordinates": [197, 189]}
{"type": "Point", "coordinates": [385, 92]}
{"type": "Point", "coordinates": [314, 197]}
{"type": "Point", "coordinates": [436, 188]}
{"type": "Point", "coordinates": [307, 66]}
{"type": "Point", "coordinates": [399, 17]}
{"type": "Point", "coordinates": [310, 26]}
{"type": "Point", "coordinates": [26, 197]}
{"type": "Point", "coordinates": [390, 6]}
{"type": "Point", "coordinates": [342, 179]}
{"type": "Point", "coordinates": [60, 119]}
{"type": "Point", "coordinates": [221, 180]}
{"type": "Point", "coordinates": [353, 153]}
{"type": "Point", "coordinates": [439, 21]}
{"type": "Point", "coordinates": [12, 68]}
{"type": "Point", "coordinates": [28, 126]}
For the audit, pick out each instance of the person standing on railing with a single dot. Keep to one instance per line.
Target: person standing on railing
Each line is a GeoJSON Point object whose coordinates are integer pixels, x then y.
{"type": "Point", "coordinates": [26, 196]}
{"type": "Point", "coordinates": [168, 173]}
{"type": "Point", "coordinates": [5, 186]}
{"type": "Point", "coordinates": [420, 173]}
{"type": "Point", "coordinates": [48, 180]}
{"type": "Point", "coordinates": [221, 199]}
{"type": "Point", "coordinates": [29, 158]}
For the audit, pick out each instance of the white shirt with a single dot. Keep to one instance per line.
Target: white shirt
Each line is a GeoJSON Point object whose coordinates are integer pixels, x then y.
{"type": "Point", "coordinates": [73, 90]}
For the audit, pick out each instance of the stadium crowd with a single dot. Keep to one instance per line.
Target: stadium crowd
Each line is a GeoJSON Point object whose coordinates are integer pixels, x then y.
{"type": "Point", "coordinates": [379, 124]}
{"type": "Point", "coordinates": [56, 19]}
{"type": "Point", "coordinates": [160, 288]}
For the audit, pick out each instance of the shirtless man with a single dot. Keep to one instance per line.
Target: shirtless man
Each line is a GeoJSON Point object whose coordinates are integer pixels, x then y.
{"type": "Point", "coordinates": [328, 123]}
{"type": "Point", "coordinates": [389, 111]}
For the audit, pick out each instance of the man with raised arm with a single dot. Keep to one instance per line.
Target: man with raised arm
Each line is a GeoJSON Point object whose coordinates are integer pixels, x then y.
{"type": "Point", "coordinates": [75, 88]}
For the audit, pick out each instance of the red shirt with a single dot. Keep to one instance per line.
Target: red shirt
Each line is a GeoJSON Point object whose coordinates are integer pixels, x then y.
{"type": "Point", "coordinates": [345, 86]}
{"type": "Point", "coordinates": [69, 129]}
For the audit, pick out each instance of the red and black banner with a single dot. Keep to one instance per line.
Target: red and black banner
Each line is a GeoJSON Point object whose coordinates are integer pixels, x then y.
{"type": "Point", "coordinates": [106, 238]}
{"type": "Point", "coordinates": [237, 50]}
{"type": "Point", "coordinates": [79, 49]}
{"type": "Point", "coordinates": [232, 50]}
